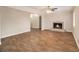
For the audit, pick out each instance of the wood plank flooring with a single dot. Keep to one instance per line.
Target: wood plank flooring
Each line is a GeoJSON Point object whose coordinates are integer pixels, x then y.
{"type": "Point", "coordinates": [40, 41]}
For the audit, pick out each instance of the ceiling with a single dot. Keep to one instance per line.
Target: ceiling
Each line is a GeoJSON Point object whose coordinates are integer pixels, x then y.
{"type": "Point", "coordinates": [39, 9]}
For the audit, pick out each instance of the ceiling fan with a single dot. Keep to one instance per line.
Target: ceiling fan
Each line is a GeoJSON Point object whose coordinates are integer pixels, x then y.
{"type": "Point", "coordinates": [51, 9]}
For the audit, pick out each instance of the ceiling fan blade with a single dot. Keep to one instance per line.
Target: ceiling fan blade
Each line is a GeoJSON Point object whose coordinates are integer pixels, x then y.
{"type": "Point", "coordinates": [53, 9]}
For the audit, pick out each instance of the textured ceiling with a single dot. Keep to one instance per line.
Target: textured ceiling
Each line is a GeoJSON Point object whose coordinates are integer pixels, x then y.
{"type": "Point", "coordinates": [39, 9]}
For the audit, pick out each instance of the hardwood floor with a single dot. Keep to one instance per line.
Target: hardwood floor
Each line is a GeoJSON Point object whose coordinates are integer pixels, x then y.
{"type": "Point", "coordinates": [41, 41]}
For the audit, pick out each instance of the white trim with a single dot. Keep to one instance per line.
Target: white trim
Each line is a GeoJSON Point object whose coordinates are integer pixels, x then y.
{"type": "Point", "coordinates": [15, 34]}
{"type": "Point", "coordinates": [76, 40]}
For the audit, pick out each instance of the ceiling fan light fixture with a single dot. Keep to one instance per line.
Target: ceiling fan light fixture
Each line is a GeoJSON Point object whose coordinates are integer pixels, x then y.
{"type": "Point", "coordinates": [49, 11]}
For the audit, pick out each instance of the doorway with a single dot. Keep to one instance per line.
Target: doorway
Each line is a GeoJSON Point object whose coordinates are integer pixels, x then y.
{"type": "Point", "coordinates": [36, 23]}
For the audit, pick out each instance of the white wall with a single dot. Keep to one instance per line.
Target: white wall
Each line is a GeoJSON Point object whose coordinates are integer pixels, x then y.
{"type": "Point", "coordinates": [59, 16]}
{"type": "Point", "coordinates": [62, 14]}
{"type": "Point", "coordinates": [14, 22]}
{"type": "Point", "coordinates": [76, 25]}
{"type": "Point", "coordinates": [0, 23]}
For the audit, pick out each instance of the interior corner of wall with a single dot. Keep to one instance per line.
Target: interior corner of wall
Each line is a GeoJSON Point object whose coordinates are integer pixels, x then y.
{"type": "Point", "coordinates": [76, 40]}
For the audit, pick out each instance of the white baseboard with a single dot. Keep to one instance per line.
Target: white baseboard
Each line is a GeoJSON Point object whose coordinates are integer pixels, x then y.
{"type": "Point", "coordinates": [76, 40]}
{"type": "Point", "coordinates": [14, 34]}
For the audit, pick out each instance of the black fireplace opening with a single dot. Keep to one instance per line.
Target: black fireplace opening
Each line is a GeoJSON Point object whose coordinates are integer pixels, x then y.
{"type": "Point", "coordinates": [57, 25]}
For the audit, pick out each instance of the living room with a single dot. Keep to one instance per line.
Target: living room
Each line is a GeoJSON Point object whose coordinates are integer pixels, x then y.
{"type": "Point", "coordinates": [17, 20]}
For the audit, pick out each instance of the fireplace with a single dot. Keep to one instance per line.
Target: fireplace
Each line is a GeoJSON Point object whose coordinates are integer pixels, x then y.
{"type": "Point", "coordinates": [58, 25]}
